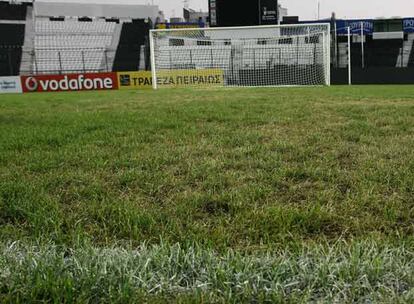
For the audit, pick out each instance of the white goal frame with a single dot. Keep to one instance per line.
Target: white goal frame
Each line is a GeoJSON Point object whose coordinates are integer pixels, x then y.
{"type": "Point", "coordinates": [180, 34]}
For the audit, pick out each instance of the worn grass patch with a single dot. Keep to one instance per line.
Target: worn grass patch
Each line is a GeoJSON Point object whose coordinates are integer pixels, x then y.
{"type": "Point", "coordinates": [344, 273]}
{"type": "Point", "coordinates": [249, 170]}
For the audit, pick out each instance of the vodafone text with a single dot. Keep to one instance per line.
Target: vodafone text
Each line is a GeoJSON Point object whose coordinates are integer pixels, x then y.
{"type": "Point", "coordinates": [72, 82]}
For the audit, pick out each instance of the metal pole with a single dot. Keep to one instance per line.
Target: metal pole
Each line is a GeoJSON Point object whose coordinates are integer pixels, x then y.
{"type": "Point", "coordinates": [60, 63]}
{"type": "Point", "coordinates": [153, 71]}
{"type": "Point", "coordinates": [319, 10]}
{"type": "Point", "coordinates": [349, 57]}
{"type": "Point", "coordinates": [336, 44]}
{"type": "Point", "coordinates": [11, 72]}
{"type": "Point", "coordinates": [260, 12]}
{"type": "Point", "coordinates": [327, 56]}
{"type": "Point", "coordinates": [297, 51]}
{"type": "Point", "coordinates": [254, 59]}
{"type": "Point", "coordinates": [362, 45]}
{"type": "Point", "coordinates": [106, 61]}
{"type": "Point", "coordinates": [83, 61]}
{"type": "Point", "coordinates": [328, 51]}
{"type": "Point", "coordinates": [35, 63]}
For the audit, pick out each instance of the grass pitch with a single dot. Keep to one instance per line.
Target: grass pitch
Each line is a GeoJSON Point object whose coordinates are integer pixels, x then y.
{"type": "Point", "coordinates": [223, 195]}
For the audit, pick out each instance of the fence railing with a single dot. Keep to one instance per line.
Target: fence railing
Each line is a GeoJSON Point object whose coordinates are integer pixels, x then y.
{"type": "Point", "coordinates": [64, 61]}
{"type": "Point", "coordinates": [17, 60]}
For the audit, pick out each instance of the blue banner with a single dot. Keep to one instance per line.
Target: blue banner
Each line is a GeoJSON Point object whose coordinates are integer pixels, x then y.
{"type": "Point", "coordinates": [368, 26]}
{"type": "Point", "coordinates": [408, 25]}
{"type": "Point", "coordinates": [355, 25]}
{"type": "Point", "coordinates": [341, 27]}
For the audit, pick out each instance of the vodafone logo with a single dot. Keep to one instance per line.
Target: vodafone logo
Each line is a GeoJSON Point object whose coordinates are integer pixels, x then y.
{"type": "Point", "coordinates": [71, 82]}
{"type": "Point", "coordinates": [31, 84]}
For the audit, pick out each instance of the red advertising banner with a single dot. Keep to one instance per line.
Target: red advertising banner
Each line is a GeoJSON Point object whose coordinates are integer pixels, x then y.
{"type": "Point", "coordinates": [70, 82]}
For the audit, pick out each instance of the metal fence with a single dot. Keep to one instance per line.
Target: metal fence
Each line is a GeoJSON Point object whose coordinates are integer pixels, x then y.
{"type": "Point", "coordinates": [64, 61]}
{"type": "Point", "coordinates": [365, 53]}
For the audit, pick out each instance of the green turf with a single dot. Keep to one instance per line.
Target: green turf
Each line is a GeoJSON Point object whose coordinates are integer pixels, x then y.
{"type": "Point", "coordinates": [250, 172]}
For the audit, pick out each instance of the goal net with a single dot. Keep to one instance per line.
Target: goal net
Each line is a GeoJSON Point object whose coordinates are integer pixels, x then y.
{"type": "Point", "coordinates": [287, 55]}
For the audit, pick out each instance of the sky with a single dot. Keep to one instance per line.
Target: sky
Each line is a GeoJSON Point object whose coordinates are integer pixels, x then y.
{"type": "Point", "coordinates": [306, 9]}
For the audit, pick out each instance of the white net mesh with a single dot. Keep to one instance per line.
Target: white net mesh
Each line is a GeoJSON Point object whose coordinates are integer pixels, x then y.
{"type": "Point", "coordinates": [249, 56]}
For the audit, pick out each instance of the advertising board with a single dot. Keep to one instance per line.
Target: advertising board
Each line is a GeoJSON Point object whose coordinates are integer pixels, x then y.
{"type": "Point", "coordinates": [69, 82]}
{"type": "Point", "coordinates": [355, 26]}
{"type": "Point", "coordinates": [173, 78]}
{"type": "Point", "coordinates": [10, 84]}
{"type": "Point", "coordinates": [269, 12]}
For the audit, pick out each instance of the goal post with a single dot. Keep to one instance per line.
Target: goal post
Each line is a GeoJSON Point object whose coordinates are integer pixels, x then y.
{"type": "Point", "coordinates": [283, 55]}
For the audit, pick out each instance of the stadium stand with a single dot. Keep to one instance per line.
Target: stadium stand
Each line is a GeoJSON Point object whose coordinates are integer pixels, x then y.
{"type": "Point", "coordinates": [410, 39]}
{"type": "Point", "coordinates": [11, 42]}
{"type": "Point", "coordinates": [411, 60]}
{"type": "Point", "coordinates": [72, 46]}
{"type": "Point", "coordinates": [12, 33]}
{"type": "Point", "coordinates": [131, 54]}
{"type": "Point", "coordinates": [10, 11]}
{"type": "Point", "coordinates": [383, 52]}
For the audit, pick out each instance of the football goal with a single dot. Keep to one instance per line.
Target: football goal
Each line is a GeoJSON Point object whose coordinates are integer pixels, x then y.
{"type": "Point", "coordinates": [286, 55]}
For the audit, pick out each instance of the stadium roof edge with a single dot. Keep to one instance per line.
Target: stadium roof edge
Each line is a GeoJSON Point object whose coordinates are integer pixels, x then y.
{"type": "Point", "coordinates": [44, 8]}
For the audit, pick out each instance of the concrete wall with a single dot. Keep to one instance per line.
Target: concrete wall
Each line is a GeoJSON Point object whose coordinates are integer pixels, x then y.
{"type": "Point", "coordinates": [375, 75]}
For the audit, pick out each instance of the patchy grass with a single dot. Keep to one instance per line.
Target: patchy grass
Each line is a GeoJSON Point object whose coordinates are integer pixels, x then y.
{"type": "Point", "coordinates": [254, 171]}
{"type": "Point", "coordinates": [344, 273]}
